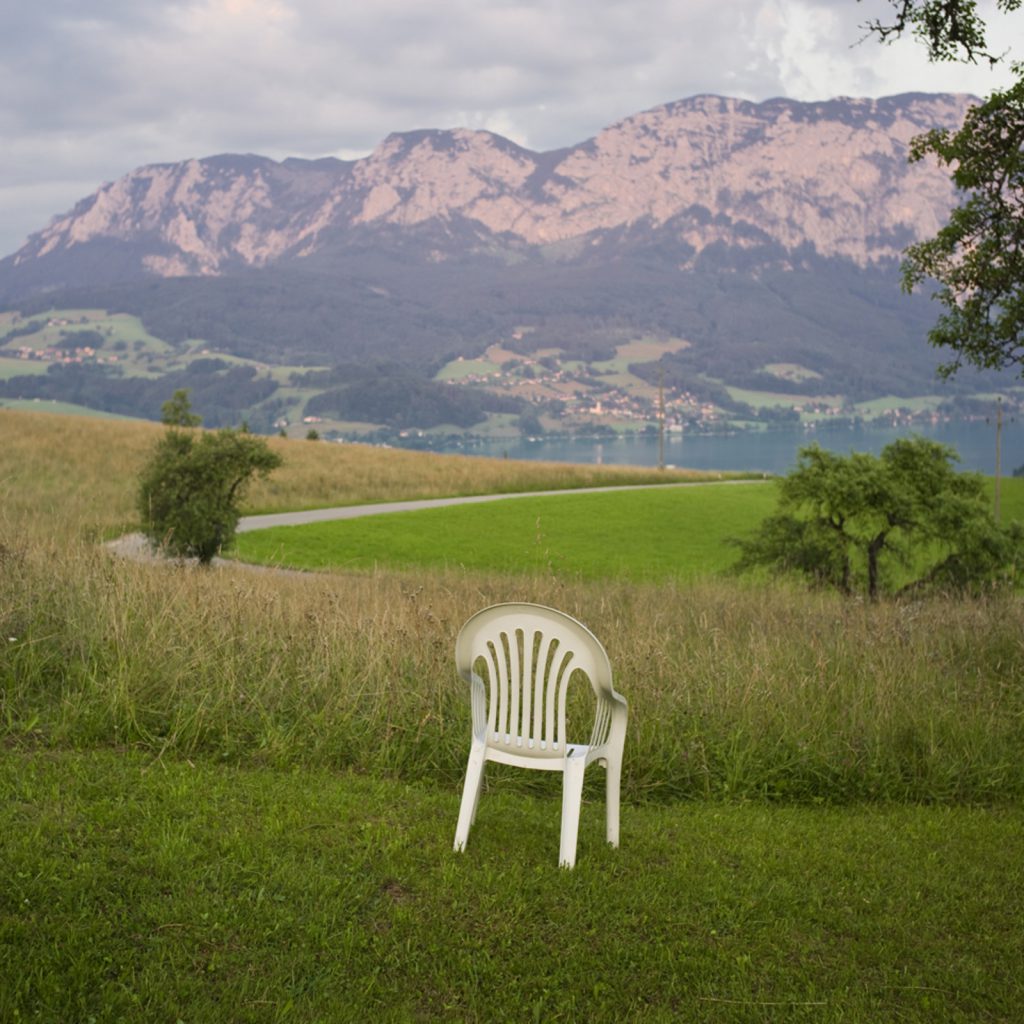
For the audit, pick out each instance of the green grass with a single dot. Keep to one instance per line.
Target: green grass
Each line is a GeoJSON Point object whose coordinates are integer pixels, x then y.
{"type": "Point", "coordinates": [756, 692]}
{"type": "Point", "coordinates": [11, 367]}
{"type": "Point", "coordinates": [655, 534]}
{"type": "Point", "coordinates": [878, 406]}
{"type": "Point", "coordinates": [677, 533]}
{"type": "Point", "coordinates": [230, 795]}
{"type": "Point", "coordinates": [459, 369]}
{"type": "Point", "coordinates": [145, 890]}
{"type": "Point", "coordinates": [783, 400]}
{"type": "Point", "coordinates": [114, 326]}
{"type": "Point", "coordinates": [45, 405]}
{"type": "Point", "coordinates": [1011, 498]}
{"type": "Point", "coordinates": [639, 350]}
{"type": "Point", "coordinates": [791, 371]}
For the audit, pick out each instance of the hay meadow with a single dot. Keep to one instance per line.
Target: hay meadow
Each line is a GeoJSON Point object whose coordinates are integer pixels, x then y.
{"type": "Point", "coordinates": [230, 794]}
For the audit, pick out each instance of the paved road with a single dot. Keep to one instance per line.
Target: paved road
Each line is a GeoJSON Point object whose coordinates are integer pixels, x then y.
{"type": "Point", "coordinates": [322, 515]}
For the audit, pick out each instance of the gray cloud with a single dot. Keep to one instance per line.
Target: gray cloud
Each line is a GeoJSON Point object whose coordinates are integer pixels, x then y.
{"type": "Point", "coordinates": [95, 89]}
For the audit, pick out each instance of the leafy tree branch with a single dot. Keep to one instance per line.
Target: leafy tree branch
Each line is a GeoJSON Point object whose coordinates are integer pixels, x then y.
{"type": "Point", "coordinates": [977, 259]}
{"type": "Point", "coordinates": [950, 29]}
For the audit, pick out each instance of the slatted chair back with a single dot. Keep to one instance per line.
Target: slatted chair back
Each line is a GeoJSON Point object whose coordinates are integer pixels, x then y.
{"type": "Point", "coordinates": [527, 656]}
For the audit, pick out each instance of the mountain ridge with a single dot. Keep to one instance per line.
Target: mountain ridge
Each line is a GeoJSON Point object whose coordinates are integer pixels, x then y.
{"type": "Point", "coordinates": [757, 233]}
{"type": "Point", "coordinates": [833, 173]}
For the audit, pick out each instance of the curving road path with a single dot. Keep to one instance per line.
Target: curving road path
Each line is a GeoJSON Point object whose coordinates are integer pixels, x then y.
{"type": "Point", "coordinates": [135, 546]}
{"type": "Point", "coordinates": [323, 515]}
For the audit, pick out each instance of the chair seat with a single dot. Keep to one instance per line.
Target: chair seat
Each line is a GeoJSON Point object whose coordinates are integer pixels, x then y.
{"type": "Point", "coordinates": [523, 756]}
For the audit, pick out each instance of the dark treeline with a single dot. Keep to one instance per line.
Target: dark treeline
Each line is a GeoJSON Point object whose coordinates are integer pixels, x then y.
{"type": "Point", "coordinates": [224, 398]}
{"type": "Point", "coordinates": [392, 398]}
{"type": "Point", "coordinates": [227, 395]}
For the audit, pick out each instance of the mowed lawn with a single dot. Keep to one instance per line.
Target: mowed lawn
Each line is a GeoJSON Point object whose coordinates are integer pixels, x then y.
{"type": "Point", "coordinates": [651, 534]}
{"type": "Point", "coordinates": [642, 535]}
{"type": "Point", "coordinates": [145, 890]}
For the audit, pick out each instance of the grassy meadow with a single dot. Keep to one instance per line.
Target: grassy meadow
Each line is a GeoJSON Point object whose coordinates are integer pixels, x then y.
{"type": "Point", "coordinates": [230, 795]}
{"type": "Point", "coordinates": [663, 535]}
{"type": "Point", "coordinates": [653, 534]}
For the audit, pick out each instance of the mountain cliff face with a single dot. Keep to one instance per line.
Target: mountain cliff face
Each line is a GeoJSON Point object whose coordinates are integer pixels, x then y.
{"type": "Point", "coordinates": [706, 171]}
{"type": "Point", "coordinates": [751, 235]}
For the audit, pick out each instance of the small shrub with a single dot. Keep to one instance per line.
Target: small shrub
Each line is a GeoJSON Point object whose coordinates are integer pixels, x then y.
{"type": "Point", "coordinates": [177, 411]}
{"type": "Point", "coordinates": [190, 490]}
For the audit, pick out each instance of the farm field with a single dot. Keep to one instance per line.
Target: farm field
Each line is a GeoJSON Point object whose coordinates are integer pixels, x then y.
{"type": "Point", "coordinates": [779, 400]}
{"type": "Point", "coordinates": [36, 405]}
{"type": "Point", "coordinates": [654, 534]}
{"type": "Point", "coordinates": [10, 367]}
{"type": "Point", "coordinates": [230, 795]}
{"type": "Point", "coordinates": [657, 534]}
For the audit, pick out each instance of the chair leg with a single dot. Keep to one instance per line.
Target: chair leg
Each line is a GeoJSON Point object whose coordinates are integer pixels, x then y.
{"type": "Point", "coordinates": [572, 799]}
{"type": "Point", "coordinates": [470, 796]}
{"type": "Point", "coordinates": [612, 786]}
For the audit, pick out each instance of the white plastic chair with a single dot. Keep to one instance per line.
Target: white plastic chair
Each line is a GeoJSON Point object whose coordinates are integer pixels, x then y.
{"type": "Point", "coordinates": [519, 660]}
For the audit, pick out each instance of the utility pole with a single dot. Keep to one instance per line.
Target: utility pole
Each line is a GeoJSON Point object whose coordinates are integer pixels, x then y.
{"type": "Point", "coordinates": [999, 445]}
{"type": "Point", "coordinates": [661, 417]}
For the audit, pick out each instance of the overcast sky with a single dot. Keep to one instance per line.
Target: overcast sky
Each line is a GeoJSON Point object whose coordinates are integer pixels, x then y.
{"type": "Point", "coordinates": [92, 89]}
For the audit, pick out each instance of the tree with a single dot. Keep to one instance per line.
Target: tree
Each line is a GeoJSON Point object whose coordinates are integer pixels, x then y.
{"type": "Point", "coordinates": [978, 258]}
{"type": "Point", "coordinates": [951, 29]}
{"type": "Point", "coordinates": [873, 524]}
{"type": "Point", "coordinates": [529, 423]}
{"type": "Point", "coordinates": [177, 411]}
{"type": "Point", "coordinates": [190, 489]}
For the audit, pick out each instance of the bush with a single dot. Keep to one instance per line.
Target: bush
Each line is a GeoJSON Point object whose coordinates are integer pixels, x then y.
{"type": "Point", "coordinates": [190, 489]}
{"type": "Point", "coordinates": [177, 410]}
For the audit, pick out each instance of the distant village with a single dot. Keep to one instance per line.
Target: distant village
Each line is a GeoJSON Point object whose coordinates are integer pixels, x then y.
{"type": "Point", "coordinates": [577, 396]}
{"type": "Point", "coordinates": [61, 353]}
{"type": "Point", "coordinates": [556, 395]}
{"type": "Point", "coordinates": [574, 394]}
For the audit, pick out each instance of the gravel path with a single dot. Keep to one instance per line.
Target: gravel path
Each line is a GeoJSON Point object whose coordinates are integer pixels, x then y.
{"type": "Point", "coordinates": [322, 515]}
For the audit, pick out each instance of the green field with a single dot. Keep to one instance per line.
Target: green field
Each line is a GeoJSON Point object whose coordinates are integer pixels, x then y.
{"type": "Point", "coordinates": [124, 339]}
{"type": "Point", "coordinates": [57, 408]}
{"type": "Point", "coordinates": [780, 399]}
{"type": "Point", "coordinates": [878, 406]}
{"type": "Point", "coordinates": [654, 534]}
{"type": "Point", "coordinates": [657, 534]}
{"type": "Point", "coordinates": [791, 371]}
{"type": "Point", "coordinates": [118, 329]}
{"type": "Point", "coordinates": [229, 796]}
{"type": "Point", "coordinates": [640, 350]}
{"type": "Point", "coordinates": [11, 367]}
{"type": "Point", "coordinates": [139, 890]}
{"type": "Point", "coordinates": [459, 369]}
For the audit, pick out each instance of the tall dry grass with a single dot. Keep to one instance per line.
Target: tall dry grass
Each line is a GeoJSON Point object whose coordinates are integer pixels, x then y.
{"type": "Point", "coordinates": [78, 473]}
{"type": "Point", "coordinates": [734, 690]}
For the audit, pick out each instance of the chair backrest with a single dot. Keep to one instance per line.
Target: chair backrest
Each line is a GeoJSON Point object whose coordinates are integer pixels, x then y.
{"type": "Point", "coordinates": [525, 656]}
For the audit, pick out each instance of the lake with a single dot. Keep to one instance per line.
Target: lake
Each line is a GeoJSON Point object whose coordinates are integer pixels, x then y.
{"type": "Point", "coordinates": [771, 451]}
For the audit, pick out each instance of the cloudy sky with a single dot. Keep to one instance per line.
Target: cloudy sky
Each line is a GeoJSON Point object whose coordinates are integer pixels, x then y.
{"type": "Point", "coordinates": [92, 89]}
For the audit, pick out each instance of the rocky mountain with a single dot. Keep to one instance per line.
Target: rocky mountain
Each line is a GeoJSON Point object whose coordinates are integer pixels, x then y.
{"type": "Point", "coordinates": [831, 175]}
{"type": "Point", "coordinates": [760, 233]}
